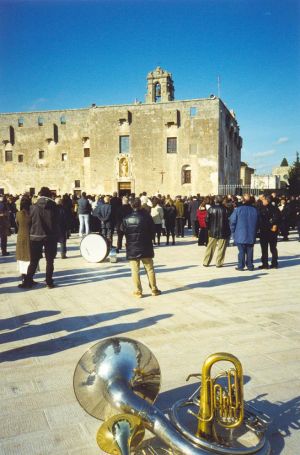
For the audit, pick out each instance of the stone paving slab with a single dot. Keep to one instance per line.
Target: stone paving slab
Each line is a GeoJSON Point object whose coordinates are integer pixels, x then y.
{"type": "Point", "coordinates": [43, 334]}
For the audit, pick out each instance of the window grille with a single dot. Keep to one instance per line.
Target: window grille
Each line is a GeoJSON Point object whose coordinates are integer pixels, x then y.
{"type": "Point", "coordinates": [171, 144]}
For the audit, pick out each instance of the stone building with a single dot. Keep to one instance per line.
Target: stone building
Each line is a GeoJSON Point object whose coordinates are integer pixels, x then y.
{"type": "Point", "coordinates": [245, 174]}
{"type": "Point", "coordinates": [283, 173]}
{"type": "Point", "coordinates": [162, 145]}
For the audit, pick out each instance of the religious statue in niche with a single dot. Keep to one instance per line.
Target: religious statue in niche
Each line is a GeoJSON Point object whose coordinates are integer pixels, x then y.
{"type": "Point", "coordinates": [123, 167]}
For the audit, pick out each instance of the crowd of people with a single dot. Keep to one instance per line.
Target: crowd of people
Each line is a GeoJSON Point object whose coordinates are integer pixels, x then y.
{"type": "Point", "coordinates": [45, 221]}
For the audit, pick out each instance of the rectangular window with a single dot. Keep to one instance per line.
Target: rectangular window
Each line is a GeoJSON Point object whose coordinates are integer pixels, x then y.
{"type": "Point", "coordinates": [187, 176]}
{"type": "Point", "coordinates": [77, 183]}
{"type": "Point", "coordinates": [64, 156]}
{"type": "Point", "coordinates": [171, 144]}
{"type": "Point", "coordinates": [41, 154]}
{"type": "Point", "coordinates": [63, 120]}
{"type": "Point", "coordinates": [8, 155]}
{"type": "Point", "coordinates": [124, 144]}
{"type": "Point", "coordinates": [21, 121]}
{"type": "Point", "coordinates": [40, 121]}
{"type": "Point", "coordinates": [193, 111]}
{"type": "Point", "coordinates": [20, 158]}
{"type": "Point", "coordinates": [86, 152]}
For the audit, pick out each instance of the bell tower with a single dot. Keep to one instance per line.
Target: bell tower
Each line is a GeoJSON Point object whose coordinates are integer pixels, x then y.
{"type": "Point", "coordinates": [160, 86]}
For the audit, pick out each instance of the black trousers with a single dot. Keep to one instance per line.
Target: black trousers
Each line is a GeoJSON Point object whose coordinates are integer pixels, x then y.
{"type": "Point", "coordinates": [180, 227]}
{"type": "Point", "coordinates": [3, 239]}
{"type": "Point", "coordinates": [268, 239]}
{"type": "Point", "coordinates": [195, 227]}
{"type": "Point", "coordinates": [120, 239]}
{"type": "Point", "coordinates": [36, 250]}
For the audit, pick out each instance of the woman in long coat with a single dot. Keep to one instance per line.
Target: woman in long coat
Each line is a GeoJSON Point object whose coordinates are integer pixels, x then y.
{"type": "Point", "coordinates": [23, 241]}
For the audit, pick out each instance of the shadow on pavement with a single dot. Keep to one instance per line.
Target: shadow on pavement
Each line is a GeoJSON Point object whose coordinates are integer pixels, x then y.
{"type": "Point", "coordinates": [69, 324]}
{"type": "Point", "coordinates": [52, 346]}
{"type": "Point", "coordinates": [216, 282]}
{"type": "Point", "coordinates": [73, 277]}
{"type": "Point", "coordinates": [23, 319]}
{"type": "Point", "coordinates": [285, 417]}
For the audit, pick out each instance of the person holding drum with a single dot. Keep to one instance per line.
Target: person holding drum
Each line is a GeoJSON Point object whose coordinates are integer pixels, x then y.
{"type": "Point", "coordinates": [139, 230]}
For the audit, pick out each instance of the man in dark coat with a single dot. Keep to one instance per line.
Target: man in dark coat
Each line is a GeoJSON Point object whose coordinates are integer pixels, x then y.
{"type": "Point", "coordinates": [139, 229]}
{"type": "Point", "coordinates": [103, 213]}
{"type": "Point", "coordinates": [269, 219]}
{"type": "Point", "coordinates": [43, 234]}
{"type": "Point", "coordinates": [124, 210]}
{"type": "Point", "coordinates": [243, 225]}
{"type": "Point", "coordinates": [193, 207]}
{"type": "Point", "coordinates": [4, 225]}
{"type": "Point", "coordinates": [116, 204]}
{"type": "Point", "coordinates": [218, 232]}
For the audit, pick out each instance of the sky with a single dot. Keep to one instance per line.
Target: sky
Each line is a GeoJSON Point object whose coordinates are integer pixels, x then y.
{"type": "Point", "coordinates": [61, 54]}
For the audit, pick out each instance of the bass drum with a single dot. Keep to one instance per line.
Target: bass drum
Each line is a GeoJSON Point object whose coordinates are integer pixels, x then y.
{"type": "Point", "coordinates": [94, 248]}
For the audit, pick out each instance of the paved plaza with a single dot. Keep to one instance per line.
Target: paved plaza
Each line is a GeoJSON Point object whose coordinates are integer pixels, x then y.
{"type": "Point", "coordinates": [44, 332]}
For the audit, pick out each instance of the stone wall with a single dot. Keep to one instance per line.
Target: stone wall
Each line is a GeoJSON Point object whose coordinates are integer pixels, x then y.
{"type": "Point", "coordinates": [208, 144]}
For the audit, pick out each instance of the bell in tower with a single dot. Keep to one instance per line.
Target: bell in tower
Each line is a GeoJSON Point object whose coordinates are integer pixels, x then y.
{"type": "Point", "coordinates": [160, 86]}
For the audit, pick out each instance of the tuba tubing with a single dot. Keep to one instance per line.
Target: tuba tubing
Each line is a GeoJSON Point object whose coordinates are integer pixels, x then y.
{"type": "Point", "coordinates": [121, 397]}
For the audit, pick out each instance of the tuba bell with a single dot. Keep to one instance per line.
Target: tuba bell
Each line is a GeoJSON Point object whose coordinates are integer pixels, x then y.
{"type": "Point", "coordinates": [121, 375]}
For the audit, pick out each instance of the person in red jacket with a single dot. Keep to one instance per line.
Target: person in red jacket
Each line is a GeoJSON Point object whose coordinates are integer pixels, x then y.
{"type": "Point", "coordinates": [203, 231]}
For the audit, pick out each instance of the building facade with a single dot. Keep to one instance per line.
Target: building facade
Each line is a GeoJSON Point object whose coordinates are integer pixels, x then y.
{"type": "Point", "coordinates": [162, 145]}
{"type": "Point", "coordinates": [283, 174]}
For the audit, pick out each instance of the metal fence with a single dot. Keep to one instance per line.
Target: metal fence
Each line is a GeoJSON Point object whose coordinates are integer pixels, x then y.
{"type": "Point", "coordinates": [238, 190]}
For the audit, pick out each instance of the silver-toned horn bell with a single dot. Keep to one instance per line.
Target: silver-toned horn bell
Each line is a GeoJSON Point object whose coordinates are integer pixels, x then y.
{"type": "Point", "coordinates": [115, 359]}
{"type": "Point", "coordinates": [122, 375]}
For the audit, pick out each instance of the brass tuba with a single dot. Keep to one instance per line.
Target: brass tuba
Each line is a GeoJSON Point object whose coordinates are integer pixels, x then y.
{"type": "Point", "coordinates": [219, 404]}
{"type": "Point", "coordinates": [121, 375]}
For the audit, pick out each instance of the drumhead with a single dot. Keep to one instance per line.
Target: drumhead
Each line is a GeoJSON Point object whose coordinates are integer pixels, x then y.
{"type": "Point", "coordinates": [94, 248]}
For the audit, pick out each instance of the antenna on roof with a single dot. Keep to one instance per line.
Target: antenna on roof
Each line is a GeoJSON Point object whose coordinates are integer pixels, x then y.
{"type": "Point", "coordinates": [219, 86]}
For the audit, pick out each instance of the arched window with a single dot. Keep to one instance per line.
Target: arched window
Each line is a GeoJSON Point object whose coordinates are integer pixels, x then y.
{"type": "Point", "coordinates": [186, 174]}
{"type": "Point", "coordinates": [157, 92]}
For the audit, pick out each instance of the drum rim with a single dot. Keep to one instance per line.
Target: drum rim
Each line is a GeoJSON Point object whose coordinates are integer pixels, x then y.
{"type": "Point", "coordinates": [97, 235]}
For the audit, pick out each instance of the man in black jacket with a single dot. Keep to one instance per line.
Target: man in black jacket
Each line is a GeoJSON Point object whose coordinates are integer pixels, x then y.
{"type": "Point", "coordinates": [218, 232]}
{"type": "Point", "coordinates": [44, 232]}
{"type": "Point", "coordinates": [139, 229]}
{"type": "Point", "coordinates": [269, 219]}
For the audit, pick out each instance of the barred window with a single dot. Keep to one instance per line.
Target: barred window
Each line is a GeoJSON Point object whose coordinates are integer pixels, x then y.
{"type": "Point", "coordinates": [8, 155]}
{"type": "Point", "coordinates": [172, 145]}
{"type": "Point", "coordinates": [124, 144]}
{"type": "Point", "coordinates": [86, 152]}
{"type": "Point", "coordinates": [77, 183]}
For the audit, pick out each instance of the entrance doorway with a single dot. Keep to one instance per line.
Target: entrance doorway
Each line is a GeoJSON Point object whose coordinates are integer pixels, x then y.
{"type": "Point", "coordinates": [124, 188]}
